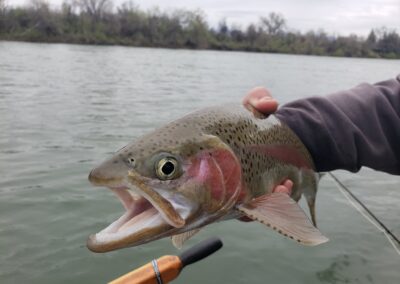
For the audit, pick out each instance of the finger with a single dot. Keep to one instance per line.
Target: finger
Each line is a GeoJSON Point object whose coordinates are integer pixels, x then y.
{"type": "Point", "coordinates": [265, 105]}
{"type": "Point", "coordinates": [285, 187]}
{"type": "Point", "coordinates": [288, 184]}
{"type": "Point", "coordinates": [260, 99]}
{"type": "Point", "coordinates": [256, 93]}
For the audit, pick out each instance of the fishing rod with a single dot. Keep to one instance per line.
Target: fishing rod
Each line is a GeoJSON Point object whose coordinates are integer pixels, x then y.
{"type": "Point", "coordinates": [383, 228]}
{"type": "Point", "coordinates": [166, 268]}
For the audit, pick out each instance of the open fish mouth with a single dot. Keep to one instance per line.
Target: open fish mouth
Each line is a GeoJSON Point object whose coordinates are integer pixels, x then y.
{"type": "Point", "coordinates": [147, 217]}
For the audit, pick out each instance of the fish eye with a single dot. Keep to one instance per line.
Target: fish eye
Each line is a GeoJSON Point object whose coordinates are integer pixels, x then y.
{"type": "Point", "coordinates": [167, 168]}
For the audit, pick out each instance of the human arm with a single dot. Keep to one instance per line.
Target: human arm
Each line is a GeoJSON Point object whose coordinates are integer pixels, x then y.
{"type": "Point", "coordinates": [350, 129]}
{"type": "Point", "coordinates": [345, 130]}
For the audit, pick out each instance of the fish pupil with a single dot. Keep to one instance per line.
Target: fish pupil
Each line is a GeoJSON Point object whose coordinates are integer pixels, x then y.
{"type": "Point", "coordinates": [168, 168]}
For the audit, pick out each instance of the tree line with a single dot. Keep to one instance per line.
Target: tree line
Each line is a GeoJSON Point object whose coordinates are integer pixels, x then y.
{"type": "Point", "coordinates": [98, 22]}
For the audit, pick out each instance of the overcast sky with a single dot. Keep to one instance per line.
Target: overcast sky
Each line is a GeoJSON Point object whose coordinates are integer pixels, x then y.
{"type": "Point", "coordinates": [334, 16]}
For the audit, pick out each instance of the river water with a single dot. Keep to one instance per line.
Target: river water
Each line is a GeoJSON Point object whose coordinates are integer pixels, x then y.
{"type": "Point", "coordinates": [64, 108]}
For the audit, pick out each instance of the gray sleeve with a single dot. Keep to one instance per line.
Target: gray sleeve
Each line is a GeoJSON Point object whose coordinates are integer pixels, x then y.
{"type": "Point", "coordinates": [350, 129]}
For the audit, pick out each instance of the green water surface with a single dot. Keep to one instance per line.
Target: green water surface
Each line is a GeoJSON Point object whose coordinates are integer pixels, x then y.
{"type": "Point", "coordinates": [64, 108]}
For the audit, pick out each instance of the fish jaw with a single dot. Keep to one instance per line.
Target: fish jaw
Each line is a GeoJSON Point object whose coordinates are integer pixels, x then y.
{"type": "Point", "coordinates": [140, 222]}
{"type": "Point", "coordinates": [173, 206]}
{"type": "Point", "coordinates": [149, 215]}
{"type": "Point", "coordinates": [146, 219]}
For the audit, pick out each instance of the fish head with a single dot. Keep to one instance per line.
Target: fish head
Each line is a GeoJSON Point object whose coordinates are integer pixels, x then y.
{"type": "Point", "coordinates": [170, 181]}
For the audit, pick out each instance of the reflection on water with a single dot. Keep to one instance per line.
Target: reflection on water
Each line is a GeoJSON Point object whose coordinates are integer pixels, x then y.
{"type": "Point", "coordinates": [64, 108]}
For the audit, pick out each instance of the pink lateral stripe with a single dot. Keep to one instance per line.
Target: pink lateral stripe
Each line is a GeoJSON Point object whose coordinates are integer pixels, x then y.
{"type": "Point", "coordinates": [283, 153]}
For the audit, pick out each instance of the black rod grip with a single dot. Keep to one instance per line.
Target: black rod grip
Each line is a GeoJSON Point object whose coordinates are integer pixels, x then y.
{"type": "Point", "coordinates": [200, 251]}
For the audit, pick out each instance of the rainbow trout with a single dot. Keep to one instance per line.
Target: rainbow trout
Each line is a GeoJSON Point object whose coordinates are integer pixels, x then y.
{"type": "Point", "coordinates": [215, 164]}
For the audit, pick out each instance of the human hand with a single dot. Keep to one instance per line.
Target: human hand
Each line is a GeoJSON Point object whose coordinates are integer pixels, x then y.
{"type": "Point", "coordinates": [260, 99]}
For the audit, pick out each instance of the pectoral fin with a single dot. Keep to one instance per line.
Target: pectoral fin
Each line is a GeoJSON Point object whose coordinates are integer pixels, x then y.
{"type": "Point", "coordinates": [284, 215]}
{"type": "Point", "coordinates": [179, 239]}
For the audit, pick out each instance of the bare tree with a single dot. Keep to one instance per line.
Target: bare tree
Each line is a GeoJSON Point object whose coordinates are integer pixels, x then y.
{"type": "Point", "coordinates": [128, 7]}
{"type": "Point", "coordinates": [223, 28]}
{"type": "Point", "coordinates": [39, 5]}
{"type": "Point", "coordinates": [371, 39]}
{"type": "Point", "coordinates": [3, 13]}
{"type": "Point", "coordinates": [43, 19]}
{"type": "Point", "coordinates": [274, 23]}
{"type": "Point", "coordinates": [69, 7]}
{"type": "Point", "coordinates": [389, 42]}
{"type": "Point", "coordinates": [95, 8]}
{"type": "Point", "coordinates": [251, 33]}
{"type": "Point", "coordinates": [3, 5]}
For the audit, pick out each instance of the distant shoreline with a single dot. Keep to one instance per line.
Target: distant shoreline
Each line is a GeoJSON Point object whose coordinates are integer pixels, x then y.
{"type": "Point", "coordinates": [130, 26]}
{"type": "Point", "coordinates": [187, 49]}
